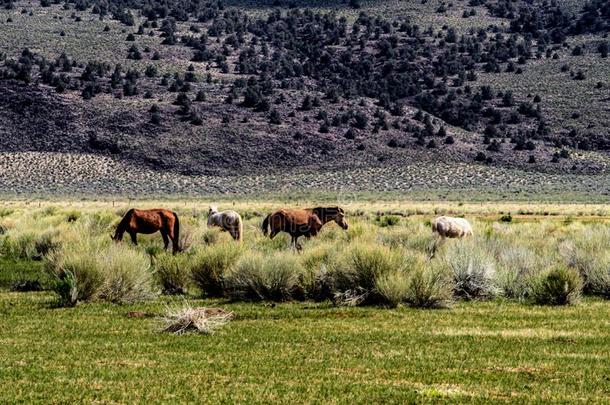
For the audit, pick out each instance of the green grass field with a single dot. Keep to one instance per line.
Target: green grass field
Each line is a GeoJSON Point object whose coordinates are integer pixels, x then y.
{"type": "Point", "coordinates": [305, 353]}
{"type": "Point", "coordinates": [499, 349]}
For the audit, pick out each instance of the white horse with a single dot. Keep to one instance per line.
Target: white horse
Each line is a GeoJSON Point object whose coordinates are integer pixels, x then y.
{"type": "Point", "coordinates": [227, 221]}
{"type": "Point", "coordinates": [450, 227]}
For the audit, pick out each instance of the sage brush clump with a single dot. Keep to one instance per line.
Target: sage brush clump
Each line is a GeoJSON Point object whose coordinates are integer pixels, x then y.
{"type": "Point", "coordinates": [556, 286]}
{"type": "Point", "coordinates": [473, 271]}
{"type": "Point", "coordinates": [210, 264]}
{"type": "Point", "coordinates": [273, 277]}
{"type": "Point", "coordinates": [91, 269]}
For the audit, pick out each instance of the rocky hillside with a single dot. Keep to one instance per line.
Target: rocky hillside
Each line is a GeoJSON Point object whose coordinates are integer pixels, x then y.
{"type": "Point", "coordinates": [243, 88]}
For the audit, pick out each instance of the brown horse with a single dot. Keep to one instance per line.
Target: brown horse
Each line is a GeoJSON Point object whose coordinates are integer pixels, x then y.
{"type": "Point", "coordinates": [150, 221]}
{"type": "Point", "coordinates": [305, 222]}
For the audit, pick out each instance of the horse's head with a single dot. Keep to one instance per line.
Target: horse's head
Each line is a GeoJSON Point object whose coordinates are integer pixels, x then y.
{"type": "Point", "coordinates": [340, 218]}
{"type": "Point", "coordinates": [116, 237]}
{"type": "Point", "coordinates": [211, 212]}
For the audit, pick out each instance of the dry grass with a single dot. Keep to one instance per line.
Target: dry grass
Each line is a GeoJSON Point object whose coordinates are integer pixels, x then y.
{"type": "Point", "coordinates": [185, 318]}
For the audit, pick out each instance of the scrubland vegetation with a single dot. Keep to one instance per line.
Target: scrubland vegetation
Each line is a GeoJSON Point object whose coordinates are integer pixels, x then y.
{"type": "Point", "coordinates": [386, 258]}
{"type": "Point", "coordinates": [381, 311]}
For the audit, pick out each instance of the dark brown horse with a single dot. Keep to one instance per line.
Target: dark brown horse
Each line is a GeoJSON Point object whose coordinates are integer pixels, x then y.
{"type": "Point", "coordinates": [150, 221]}
{"type": "Point", "coordinates": [305, 222]}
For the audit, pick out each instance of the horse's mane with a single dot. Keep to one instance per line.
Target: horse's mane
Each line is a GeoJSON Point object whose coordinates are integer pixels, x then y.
{"type": "Point", "coordinates": [326, 213]}
{"type": "Point", "coordinates": [125, 221]}
{"type": "Point", "coordinates": [123, 224]}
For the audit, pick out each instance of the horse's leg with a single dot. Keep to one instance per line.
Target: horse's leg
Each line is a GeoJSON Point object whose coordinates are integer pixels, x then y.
{"type": "Point", "coordinates": [165, 240]}
{"type": "Point", "coordinates": [297, 245]}
{"type": "Point", "coordinates": [134, 239]}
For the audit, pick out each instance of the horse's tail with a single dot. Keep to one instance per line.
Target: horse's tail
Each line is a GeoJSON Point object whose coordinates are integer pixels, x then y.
{"type": "Point", "coordinates": [176, 240]}
{"type": "Point", "coordinates": [265, 226]}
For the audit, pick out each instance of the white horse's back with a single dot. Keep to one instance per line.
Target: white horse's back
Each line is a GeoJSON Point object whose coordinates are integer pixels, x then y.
{"type": "Point", "coordinates": [226, 220]}
{"type": "Point", "coordinates": [452, 227]}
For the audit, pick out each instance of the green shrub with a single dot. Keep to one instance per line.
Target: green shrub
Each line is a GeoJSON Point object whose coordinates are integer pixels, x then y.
{"type": "Point", "coordinates": [89, 269]}
{"type": "Point", "coordinates": [368, 262]}
{"type": "Point", "coordinates": [259, 277]}
{"type": "Point", "coordinates": [397, 238]}
{"type": "Point", "coordinates": [77, 272]}
{"type": "Point", "coordinates": [387, 220]}
{"type": "Point", "coordinates": [506, 218]}
{"type": "Point", "coordinates": [210, 236]}
{"type": "Point", "coordinates": [597, 276]}
{"type": "Point", "coordinates": [393, 286]}
{"type": "Point", "coordinates": [318, 265]}
{"type": "Point", "coordinates": [356, 232]}
{"type": "Point", "coordinates": [516, 264]}
{"type": "Point", "coordinates": [45, 243]}
{"type": "Point", "coordinates": [587, 252]}
{"type": "Point", "coordinates": [210, 264]}
{"type": "Point", "coordinates": [320, 255]}
{"type": "Point", "coordinates": [556, 286]}
{"type": "Point", "coordinates": [473, 270]}
{"type": "Point", "coordinates": [417, 238]}
{"type": "Point", "coordinates": [153, 251]}
{"type": "Point", "coordinates": [278, 243]}
{"type": "Point", "coordinates": [100, 222]}
{"type": "Point", "coordinates": [173, 273]}
{"type": "Point", "coordinates": [50, 211]}
{"type": "Point", "coordinates": [29, 244]}
{"type": "Point", "coordinates": [429, 286]}
{"type": "Point", "coordinates": [72, 215]}
{"type": "Point", "coordinates": [357, 273]}
{"type": "Point", "coordinates": [70, 290]}
{"type": "Point", "coordinates": [319, 285]}
{"type": "Point", "coordinates": [5, 212]}
{"type": "Point", "coordinates": [127, 276]}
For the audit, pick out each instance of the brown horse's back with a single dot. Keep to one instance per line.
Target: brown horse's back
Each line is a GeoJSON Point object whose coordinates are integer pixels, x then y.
{"type": "Point", "coordinates": [294, 218]}
{"type": "Point", "coordinates": [150, 221]}
{"type": "Point", "coordinates": [293, 221]}
{"type": "Point", "coordinates": [302, 222]}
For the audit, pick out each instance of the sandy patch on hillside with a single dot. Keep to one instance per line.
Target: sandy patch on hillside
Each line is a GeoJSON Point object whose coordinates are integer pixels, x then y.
{"type": "Point", "coordinates": [51, 173]}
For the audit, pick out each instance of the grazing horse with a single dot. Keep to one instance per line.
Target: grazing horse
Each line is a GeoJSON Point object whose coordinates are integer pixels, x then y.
{"type": "Point", "coordinates": [305, 222]}
{"type": "Point", "coordinates": [150, 221]}
{"type": "Point", "coordinates": [227, 221]}
{"type": "Point", "coordinates": [450, 227]}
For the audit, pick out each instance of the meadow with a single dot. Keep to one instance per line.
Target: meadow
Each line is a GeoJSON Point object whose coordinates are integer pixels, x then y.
{"type": "Point", "coordinates": [382, 311]}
